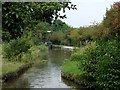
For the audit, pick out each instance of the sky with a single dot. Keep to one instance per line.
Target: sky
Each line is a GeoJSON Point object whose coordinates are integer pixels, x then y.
{"type": "Point", "coordinates": [88, 11]}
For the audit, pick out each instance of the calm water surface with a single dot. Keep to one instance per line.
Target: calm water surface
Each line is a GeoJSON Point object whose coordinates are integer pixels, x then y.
{"type": "Point", "coordinates": [47, 75]}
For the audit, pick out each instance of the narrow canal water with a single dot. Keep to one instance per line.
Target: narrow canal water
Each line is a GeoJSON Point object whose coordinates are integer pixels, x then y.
{"type": "Point", "coordinates": [47, 75]}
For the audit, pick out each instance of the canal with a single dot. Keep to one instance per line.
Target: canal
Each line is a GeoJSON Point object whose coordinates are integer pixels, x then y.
{"type": "Point", "coordinates": [46, 75]}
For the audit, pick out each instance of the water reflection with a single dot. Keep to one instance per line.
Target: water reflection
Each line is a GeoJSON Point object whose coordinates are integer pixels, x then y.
{"type": "Point", "coordinates": [47, 75]}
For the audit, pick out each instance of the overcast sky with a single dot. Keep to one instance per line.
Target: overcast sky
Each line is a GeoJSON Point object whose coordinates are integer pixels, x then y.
{"type": "Point", "coordinates": [87, 12]}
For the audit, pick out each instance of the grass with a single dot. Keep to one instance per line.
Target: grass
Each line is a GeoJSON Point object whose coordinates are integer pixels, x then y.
{"type": "Point", "coordinates": [82, 48]}
{"type": "Point", "coordinates": [71, 67]}
{"type": "Point", "coordinates": [58, 45]}
{"type": "Point", "coordinates": [14, 66]}
{"type": "Point", "coordinates": [61, 45]}
{"type": "Point", "coordinates": [8, 67]}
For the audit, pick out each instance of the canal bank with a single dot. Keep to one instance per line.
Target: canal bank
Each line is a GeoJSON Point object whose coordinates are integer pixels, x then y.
{"type": "Point", "coordinates": [73, 68]}
{"type": "Point", "coordinates": [16, 74]}
{"type": "Point", "coordinates": [44, 75]}
{"type": "Point", "coordinates": [21, 63]}
{"type": "Point", "coordinates": [62, 47]}
{"type": "Point", "coordinates": [71, 72]}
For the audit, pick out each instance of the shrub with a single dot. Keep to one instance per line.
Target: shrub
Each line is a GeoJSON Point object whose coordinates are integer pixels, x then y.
{"type": "Point", "coordinates": [102, 64]}
{"type": "Point", "coordinates": [15, 47]}
{"type": "Point", "coordinates": [42, 48]}
{"type": "Point", "coordinates": [38, 51]}
{"type": "Point", "coordinates": [108, 66]}
{"type": "Point", "coordinates": [6, 36]}
{"type": "Point", "coordinates": [76, 57]}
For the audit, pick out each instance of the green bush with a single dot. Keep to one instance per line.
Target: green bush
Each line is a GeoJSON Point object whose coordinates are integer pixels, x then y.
{"type": "Point", "coordinates": [76, 57]}
{"type": "Point", "coordinates": [38, 51]}
{"type": "Point", "coordinates": [15, 47]}
{"type": "Point", "coordinates": [108, 65]}
{"type": "Point", "coordinates": [6, 36]}
{"type": "Point", "coordinates": [42, 48]}
{"type": "Point", "coordinates": [82, 52]}
{"type": "Point", "coordinates": [102, 64]}
{"type": "Point", "coordinates": [32, 36]}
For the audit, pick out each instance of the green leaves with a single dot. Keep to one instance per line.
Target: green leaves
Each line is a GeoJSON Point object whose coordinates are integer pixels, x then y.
{"type": "Point", "coordinates": [16, 15]}
{"type": "Point", "coordinates": [42, 12]}
{"type": "Point", "coordinates": [101, 63]}
{"type": "Point", "coordinates": [19, 15]}
{"type": "Point", "coordinates": [63, 10]}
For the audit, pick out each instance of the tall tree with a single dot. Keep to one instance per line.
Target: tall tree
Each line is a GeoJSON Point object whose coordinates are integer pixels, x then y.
{"type": "Point", "coordinates": [59, 25]}
{"type": "Point", "coordinates": [20, 15]}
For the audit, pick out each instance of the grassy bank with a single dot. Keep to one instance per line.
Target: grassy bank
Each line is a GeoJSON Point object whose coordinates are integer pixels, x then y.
{"type": "Point", "coordinates": [71, 69]}
{"type": "Point", "coordinates": [9, 67]}
{"type": "Point", "coordinates": [61, 46]}
{"type": "Point", "coordinates": [95, 65]}
{"type": "Point", "coordinates": [58, 45]}
{"type": "Point", "coordinates": [16, 63]}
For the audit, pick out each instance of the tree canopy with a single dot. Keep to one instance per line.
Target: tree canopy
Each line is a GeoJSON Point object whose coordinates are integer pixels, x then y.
{"type": "Point", "coordinates": [24, 15]}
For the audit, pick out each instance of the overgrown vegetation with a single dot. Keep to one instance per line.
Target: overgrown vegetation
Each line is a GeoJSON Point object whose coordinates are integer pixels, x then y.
{"type": "Point", "coordinates": [25, 26]}
{"type": "Point", "coordinates": [97, 62]}
{"type": "Point", "coordinates": [23, 16]}
{"type": "Point", "coordinates": [14, 63]}
{"type": "Point", "coordinates": [100, 61]}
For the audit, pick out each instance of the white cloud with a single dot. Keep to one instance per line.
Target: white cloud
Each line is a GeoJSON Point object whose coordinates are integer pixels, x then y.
{"type": "Point", "coordinates": [87, 11]}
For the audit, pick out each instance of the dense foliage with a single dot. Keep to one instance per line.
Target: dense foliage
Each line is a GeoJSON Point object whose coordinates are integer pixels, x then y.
{"type": "Point", "coordinates": [20, 16]}
{"type": "Point", "coordinates": [15, 47]}
{"type": "Point", "coordinates": [102, 62]}
{"type": "Point", "coordinates": [22, 49]}
{"type": "Point", "coordinates": [26, 25]}
{"type": "Point", "coordinates": [59, 25]}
